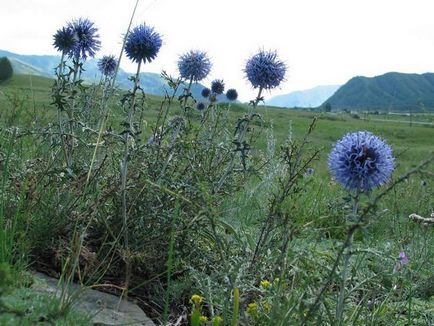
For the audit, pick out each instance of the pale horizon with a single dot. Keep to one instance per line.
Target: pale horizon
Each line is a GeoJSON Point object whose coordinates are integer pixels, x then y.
{"type": "Point", "coordinates": [322, 42]}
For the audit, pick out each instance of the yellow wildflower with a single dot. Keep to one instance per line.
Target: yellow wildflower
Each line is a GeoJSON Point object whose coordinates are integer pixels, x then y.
{"type": "Point", "coordinates": [265, 284]}
{"type": "Point", "coordinates": [217, 320]}
{"type": "Point", "coordinates": [197, 299]}
{"type": "Point", "coordinates": [252, 308]}
{"type": "Point", "coordinates": [203, 319]}
{"type": "Point", "coordinates": [266, 306]}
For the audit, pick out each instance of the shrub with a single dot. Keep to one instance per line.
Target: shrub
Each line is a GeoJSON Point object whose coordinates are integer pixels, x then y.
{"type": "Point", "coordinates": [6, 70]}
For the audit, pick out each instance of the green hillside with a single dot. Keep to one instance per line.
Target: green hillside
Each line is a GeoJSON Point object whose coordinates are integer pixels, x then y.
{"type": "Point", "coordinates": [389, 92]}
{"type": "Point", "coordinates": [44, 65]}
{"type": "Point", "coordinates": [414, 141]}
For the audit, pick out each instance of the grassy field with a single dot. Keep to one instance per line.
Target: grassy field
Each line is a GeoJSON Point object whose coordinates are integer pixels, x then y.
{"type": "Point", "coordinates": [411, 143]}
{"type": "Point", "coordinates": [186, 237]}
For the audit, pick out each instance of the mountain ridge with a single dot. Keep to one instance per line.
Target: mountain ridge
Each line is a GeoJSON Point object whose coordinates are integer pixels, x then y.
{"type": "Point", "coordinates": [44, 65]}
{"type": "Point", "coordinates": [391, 91]}
{"type": "Point", "coordinates": [312, 97]}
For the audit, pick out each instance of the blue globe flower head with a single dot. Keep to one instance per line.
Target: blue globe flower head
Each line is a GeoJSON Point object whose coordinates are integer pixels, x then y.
{"type": "Point", "coordinates": [194, 65]}
{"type": "Point", "coordinates": [361, 160]}
{"type": "Point", "coordinates": [64, 40]}
{"type": "Point", "coordinates": [217, 86]}
{"type": "Point", "coordinates": [87, 39]}
{"type": "Point", "coordinates": [143, 44]}
{"type": "Point", "coordinates": [107, 65]}
{"type": "Point", "coordinates": [232, 94]}
{"type": "Point", "coordinates": [265, 70]}
{"type": "Point", "coordinates": [200, 106]}
{"type": "Point", "coordinates": [205, 92]}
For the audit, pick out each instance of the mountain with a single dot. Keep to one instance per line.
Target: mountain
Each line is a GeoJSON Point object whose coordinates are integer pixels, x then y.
{"type": "Point", "coordinates": [308, 98]}
{"type": "Point", "coordinates": [44, 65]}
{"type": "Point", "coordinates": [389, 92]}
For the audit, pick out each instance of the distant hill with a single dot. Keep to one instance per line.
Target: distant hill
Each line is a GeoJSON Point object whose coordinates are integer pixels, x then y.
{"type": "Point", "coordinates": [44, 65]}
{"type": "Point", "coordinates": [307, 98]}
{"type": "Point", "coordinates": [389, 92]}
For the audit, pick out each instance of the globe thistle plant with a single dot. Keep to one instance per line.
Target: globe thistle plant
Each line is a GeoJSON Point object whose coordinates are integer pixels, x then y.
{"type": "Point", "coordinates": [143, 44]}
{"type": "Point", "coordinates": [194, 65]}
{"type": "Point", "coordinates": [264, 70]}
{"type": "Point", "coordinates": [205, 92]}
{"type": "Point", "coordinates": [87, 39]}
{"type": "Point", "coordinates": [107, 65]}
{"type": "Point", "coordinates": [64, 40]}
{"type": "Point", "coordinates": [232, 94]}
{"type": "Point", "coordinates": [361, 160]}
{"type": "Point", "coordinates": [217, 86]}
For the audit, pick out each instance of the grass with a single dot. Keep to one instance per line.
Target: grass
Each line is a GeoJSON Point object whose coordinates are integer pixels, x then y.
{"type": "Point", "coordinates": [212, 237]}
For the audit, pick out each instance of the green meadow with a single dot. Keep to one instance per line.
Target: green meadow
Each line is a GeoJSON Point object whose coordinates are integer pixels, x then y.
{"type": "Point", "coordinates": [271, 233]}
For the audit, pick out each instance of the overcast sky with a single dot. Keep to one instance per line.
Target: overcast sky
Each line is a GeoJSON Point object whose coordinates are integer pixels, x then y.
{"type": "Point", "coordinates": [323, 42]}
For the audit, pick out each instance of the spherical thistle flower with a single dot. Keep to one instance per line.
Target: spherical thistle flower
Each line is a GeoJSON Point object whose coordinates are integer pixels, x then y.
{"type": "Point", "coordinates": [232, 94]}
{"type": "Point", "coordinates": [194, 65]}
{"type": "Point", "coordinates": [361, 160]}
{"type": "Point", "coordinates": [205, 92]}
{"type": "Point", "coordinates": [217, 86]}
{"type": "Point", "coordinates": [107, 65]}
{"type": "Point", "coordinates": [64, 40]}
{"type": "Point", "coordinates": [87, 39]}
{"type": "Point", "coordinates": [264, 70]}
{"type": "Point", "coordinates": [143, 44]}
{"type": "Point", "coordinates": [200, 106]}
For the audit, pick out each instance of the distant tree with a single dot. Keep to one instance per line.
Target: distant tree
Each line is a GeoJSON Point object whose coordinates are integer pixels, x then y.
{"type": "Point", "coordinates": [328, 107]}
{"type": "Point", "coordinates": [6, 70]}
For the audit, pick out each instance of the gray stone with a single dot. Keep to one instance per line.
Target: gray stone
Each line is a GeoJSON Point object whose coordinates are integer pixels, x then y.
{"type": "Point", "coordinates": [104, 308]}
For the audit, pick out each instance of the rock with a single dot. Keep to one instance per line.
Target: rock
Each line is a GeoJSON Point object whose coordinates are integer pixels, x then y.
{"type": "Point", "coordinates": [104, 308]}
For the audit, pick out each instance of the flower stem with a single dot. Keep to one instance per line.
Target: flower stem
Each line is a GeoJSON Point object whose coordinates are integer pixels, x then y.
{"type": "Point", "coordinates": [347, 255]}
{"type": "Point", "coordinates": [240, 139]}
{"type": "Point", "coordinates": [113, 84]}
{"type": "Point", "coordinates": [187, 94]}
{"type": "Point", "coordinates": [124, 173]}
